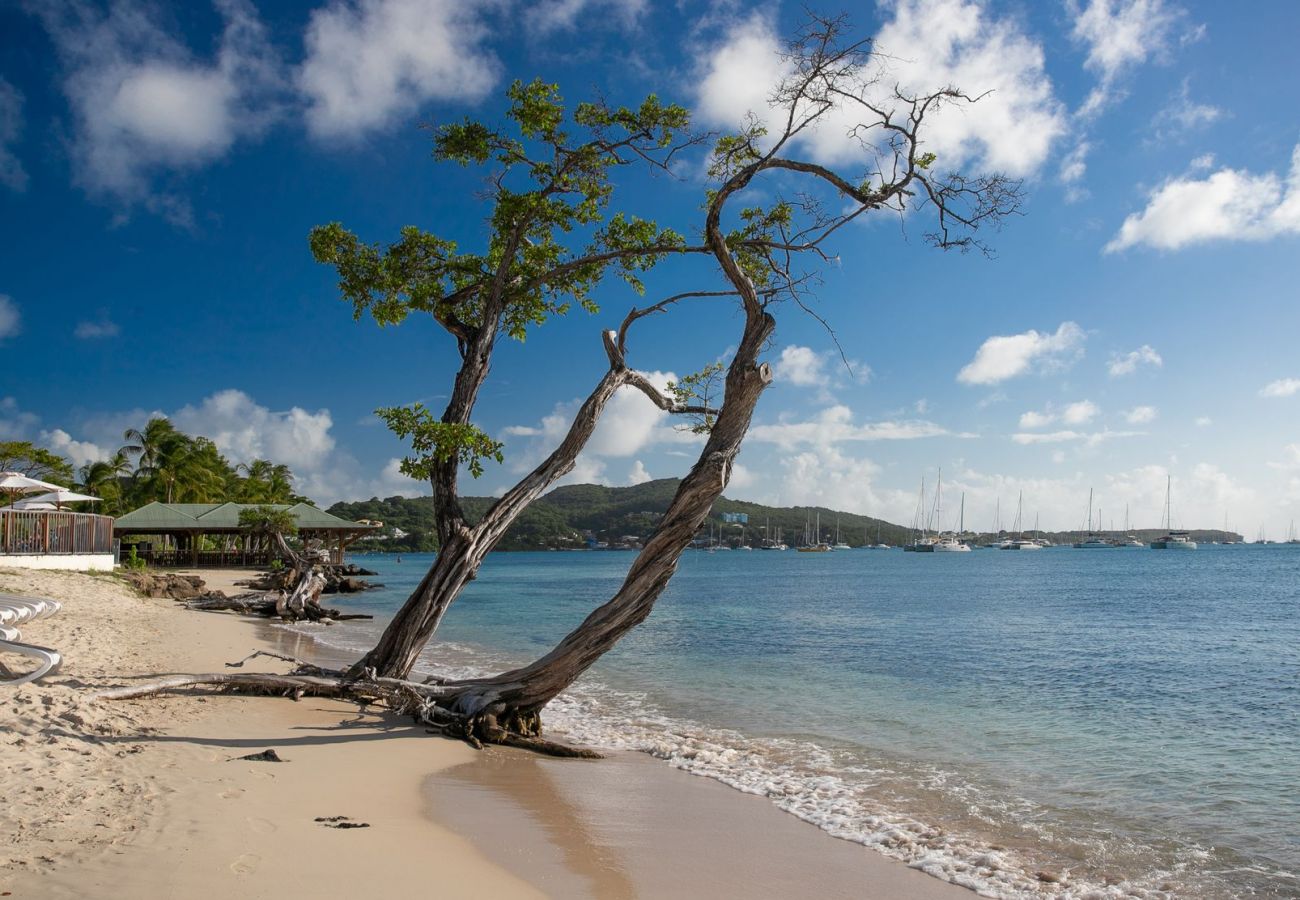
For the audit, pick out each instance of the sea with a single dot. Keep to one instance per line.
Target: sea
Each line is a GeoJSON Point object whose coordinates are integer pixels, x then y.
{"type": "Point", "coordinates": [1060, 723]}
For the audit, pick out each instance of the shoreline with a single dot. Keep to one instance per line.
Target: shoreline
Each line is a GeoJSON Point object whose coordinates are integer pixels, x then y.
{"type": "Point", "coordinates": [185, 820]}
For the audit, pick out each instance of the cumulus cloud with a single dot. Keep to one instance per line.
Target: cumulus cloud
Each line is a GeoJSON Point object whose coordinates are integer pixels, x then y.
{"type": "Point", "coordinates": [11, 321]}
{"type": "Point", "coordinates": [1120, 35]}
{"type": "Point", "coordinates": [638, 474]}
{"type": "Point", "coordinates": [104, 327]}
{"type": "Point", "coordinates": [1226, 205]}
{"type": "Point", "coordinates": [12, 173]}
{"type": "Point", "coordinates": [1283, 387]}
{"type": "Point", "coordinates": [1140, 415]}
{"type": "Point", "coordinates": [801, 367]}
{"type": "Point", "coordinates": [926, 45]}
{"type": "Point", "coordinates": [1127, 363]}
{"type": "Point", "coordinates": [1007, 356]}
{"type": "Point", "coordinates": [835, 424]}
{"type": "Point", "coordinates": [244, 429]}
{"type": "Point", "coordinates": [143, 104]}
{"type": "Point", "coordinates": [372, 62]}
{"type": "Point", "coordinates": [1078, 413]}
{"type": "Point", "coordinates": [80, 452]}
{"type": "Point", "coordinates": [563, 15]}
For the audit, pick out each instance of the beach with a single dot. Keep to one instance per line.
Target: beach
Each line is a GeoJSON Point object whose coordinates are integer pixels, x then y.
{"type": "Point", "coordinates": [148, 797]}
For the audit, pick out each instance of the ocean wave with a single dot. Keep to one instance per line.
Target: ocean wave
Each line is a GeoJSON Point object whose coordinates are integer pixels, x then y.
{"type": "Point", "coordinates": [817, 784]}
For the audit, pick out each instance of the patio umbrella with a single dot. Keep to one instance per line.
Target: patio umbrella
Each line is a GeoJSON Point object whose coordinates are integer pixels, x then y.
{"type": "Point", "coordinates": [15, 483]}
{"type": "Point", "coordinates": [60, 496]}
{"type": "Point", "coordinates": [32, 504]}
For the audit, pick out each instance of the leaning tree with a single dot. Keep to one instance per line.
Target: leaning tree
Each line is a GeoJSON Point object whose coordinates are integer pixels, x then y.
{"type": "Point", "coordinates": [766, 254]}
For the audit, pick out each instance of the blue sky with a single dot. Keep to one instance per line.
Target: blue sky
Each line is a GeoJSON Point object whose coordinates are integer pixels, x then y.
{"type": "Point", "coordinates": [162, 164]}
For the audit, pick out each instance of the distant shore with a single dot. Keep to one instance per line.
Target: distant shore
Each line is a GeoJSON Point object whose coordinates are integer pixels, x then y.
{"type": "Point", "coordinates": [142, 798]}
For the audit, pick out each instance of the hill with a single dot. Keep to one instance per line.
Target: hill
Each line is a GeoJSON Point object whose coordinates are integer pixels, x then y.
{"type": "Point", "coordinates": [570, 516]}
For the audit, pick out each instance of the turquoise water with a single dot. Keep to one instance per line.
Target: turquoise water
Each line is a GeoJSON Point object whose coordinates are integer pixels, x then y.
{"type": "Point", "coordinates": [1063, 723]}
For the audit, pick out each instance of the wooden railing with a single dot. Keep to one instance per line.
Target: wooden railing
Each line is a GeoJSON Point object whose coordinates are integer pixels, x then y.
{"type": "Point", "coordinates": [53, 532]}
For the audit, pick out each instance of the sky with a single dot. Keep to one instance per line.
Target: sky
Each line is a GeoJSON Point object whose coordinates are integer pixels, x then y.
{"type": "Point", "coordinates": [162, 164]}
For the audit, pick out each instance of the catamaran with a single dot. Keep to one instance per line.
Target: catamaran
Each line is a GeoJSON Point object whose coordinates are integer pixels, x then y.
{"type": "Point", "coordinates": [1095, 540]}
{"type": "Point", "coordinates": [1130, 539]}
{"type": "Point", "coordinates": [1173, 540]}
{"type": "Point", "coordinates": [948, 543]}
{"type": "Point", "coordinates": [839, 545]}
{"type": "Point", "coordinates": [1020, 542]}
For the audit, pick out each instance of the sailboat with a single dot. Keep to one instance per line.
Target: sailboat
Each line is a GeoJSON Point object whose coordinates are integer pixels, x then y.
{"type": "Point", "coordinates": [1020, 542]}
{"type": "Point", "coordinates": [921, 541]}
{"type": "Point", "coordinates": [1291, 536]}
{"type": "Point", "coordinates": [839, 545]}
{"type": "Point", "coordinates": [817, 546]}
{"type": "Point", "coordinates": [1094, 540]}
{"type": "Point", "coordinates": [948, 543]}
{"type": "Point", "coordinates": [1173, 540]}
{"type": "Point", "coordinates": [1130, 539]}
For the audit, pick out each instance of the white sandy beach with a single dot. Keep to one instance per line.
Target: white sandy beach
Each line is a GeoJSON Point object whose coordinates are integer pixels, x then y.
{"type": "Point", "coordinates": [141, 798]}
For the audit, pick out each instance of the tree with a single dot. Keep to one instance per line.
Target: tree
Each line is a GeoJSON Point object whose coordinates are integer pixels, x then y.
{"type": "Point", "coordinates": [526, 275]}
{"type": "Point", "coordinates": [26, 458]}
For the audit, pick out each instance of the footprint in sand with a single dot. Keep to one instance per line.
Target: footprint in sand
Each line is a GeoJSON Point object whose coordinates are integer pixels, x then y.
{"type": "Point", "coordinates": [261, 826]}
{"type": "Point", "coordinates": [232, 794]}
{"type": "Point", "coordinates": [246, 864]}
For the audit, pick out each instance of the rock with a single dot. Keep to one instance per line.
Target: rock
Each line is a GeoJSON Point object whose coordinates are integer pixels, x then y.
{"type": "Point", "coordinates": [176, 587]}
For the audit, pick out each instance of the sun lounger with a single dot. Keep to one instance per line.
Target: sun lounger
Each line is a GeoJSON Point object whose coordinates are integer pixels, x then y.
{"type": "Point", "coordinates": [16, 610]}
{"type": "Point", "coordinates": [50, 661]}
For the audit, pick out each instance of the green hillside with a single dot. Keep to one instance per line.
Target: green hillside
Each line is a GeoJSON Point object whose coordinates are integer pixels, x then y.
{"type": "Point", "coordinates": [568, 516]}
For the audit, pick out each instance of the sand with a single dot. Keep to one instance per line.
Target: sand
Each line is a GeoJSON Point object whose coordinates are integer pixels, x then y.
{"type": "Point", "coordinates": [147, 799]}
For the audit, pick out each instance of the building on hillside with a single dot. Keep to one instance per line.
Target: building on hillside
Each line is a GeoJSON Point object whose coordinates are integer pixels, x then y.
{"type": "Point", "coordinates": [208, 534]}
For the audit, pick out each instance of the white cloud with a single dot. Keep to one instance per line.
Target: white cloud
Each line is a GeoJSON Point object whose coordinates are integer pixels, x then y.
{"type": "Point", "coordinates": [1034, 419]}
{"type": "Point", "coordinates": [801, 366]}
{"type": "Point", "coordinates": [1127, 363]}
{"type": "Point", "coordinates": [1073, 167]}
{"type": "Point", "coordinates": [926, 45]}
{"type": "Point", "coordinates": [1080, 413]}
{"type": "Point", "coordinates": [372, 62]}
{"type": "Point", "coordinates": [142, 103]}
{"type": "Point", "coordinates": [835, 424]}
{"type": "Point", "coordinates": [1088, 439]}
{"type": "Point", "coordinates": [244, 430]}
{"type": "Point", "coordinates": [1140, 415]}
{"type": "Point", "coordinates": [562, 15]}
{"type": "Point", "coordinates": [11, 321]}
{"type": "Point", "coordinates": [1183, 114]}
{"type": "Point", "coordinates": [104, 328]}
{"type": "Point", "coordinates": [80, 452]}
{"type": "Point", "coordinates": [12, 173]}
{"type": "Point", "coordinates": [1204, 421]}
{"type": "Point", "coordinates": [1230, 205]}
{"type": "Point", "coordinates": [1119, 35]}
{"type": "Point", "coordinates": [1283, 387]}
{"type": "Point", "coordinates": [638, 474]}
{"type": "Point", "coordinates": [1006, 356]}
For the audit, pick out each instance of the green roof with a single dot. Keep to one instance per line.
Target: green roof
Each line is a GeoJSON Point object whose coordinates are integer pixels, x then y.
{"type": "Point", "coordinates": [158, 517]}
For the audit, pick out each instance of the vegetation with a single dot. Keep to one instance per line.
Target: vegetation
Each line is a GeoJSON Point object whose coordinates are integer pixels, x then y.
{"type": "Point", "coordinates": [565, 517]}
{"type": "Point", "coordinates": [158, 463]}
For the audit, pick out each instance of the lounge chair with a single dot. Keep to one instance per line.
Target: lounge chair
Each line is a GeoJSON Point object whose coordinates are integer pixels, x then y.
{"type": "Point", "coordinates": [50, 661]}
{"type": "Point", "coordinates": [15, 611]}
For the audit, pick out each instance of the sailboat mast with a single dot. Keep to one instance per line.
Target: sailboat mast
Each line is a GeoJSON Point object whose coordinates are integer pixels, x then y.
{"type": "Point", "coordinates": [961, 526]}
{"type": "Point", "coordinates": [1089, 510]}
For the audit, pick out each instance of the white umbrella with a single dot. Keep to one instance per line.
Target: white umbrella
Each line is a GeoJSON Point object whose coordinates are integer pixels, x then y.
{"type": "Point", "coordinates": [32, 504]}
{"type": "Point", "coordinates": [60, 496]}
{"type": "Point", "coordinates": [15, 483]}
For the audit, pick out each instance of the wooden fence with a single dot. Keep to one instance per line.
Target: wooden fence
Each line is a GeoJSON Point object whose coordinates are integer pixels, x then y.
{"type": "Point", "coordinates": [54, 532]}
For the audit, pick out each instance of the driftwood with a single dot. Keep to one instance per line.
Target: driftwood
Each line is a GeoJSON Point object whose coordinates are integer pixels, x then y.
{"type": "Point", "coordinates": [416, 699]}
{"type": "Point", "coordinates": [272, 604]}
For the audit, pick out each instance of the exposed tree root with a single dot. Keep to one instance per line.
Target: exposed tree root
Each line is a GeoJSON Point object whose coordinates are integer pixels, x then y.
{"type": "Point", "coordinates": [431, 705]}
{"type": "Point", "coordinates": [272, 605]}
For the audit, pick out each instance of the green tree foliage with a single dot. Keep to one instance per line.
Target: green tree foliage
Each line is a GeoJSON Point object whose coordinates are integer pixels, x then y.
{"type": "Point", "coordinates": [550, 242]}
{"type": "Point", "coordinates": [26, 458]}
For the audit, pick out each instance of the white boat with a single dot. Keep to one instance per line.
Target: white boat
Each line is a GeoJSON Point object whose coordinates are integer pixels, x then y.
{"type": "Point", "coordinates": [839, 545]}
{"type": "Point", "coordinates": [1019, 542]}
{"type": "Point", "coordinates": [948, 543]}
{"type": "Point", "coordinates": [1130, 539]}
{"type": "Point", "coordinates": [1095, 540]}
{"type": "Point", "coordinates": [1173, 540]}
{"type": "Point", "coordinates": [817, 546]}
